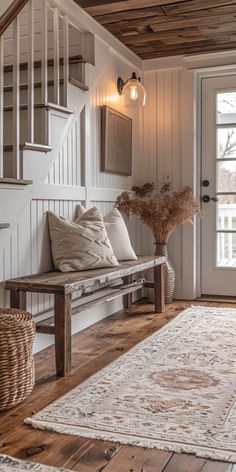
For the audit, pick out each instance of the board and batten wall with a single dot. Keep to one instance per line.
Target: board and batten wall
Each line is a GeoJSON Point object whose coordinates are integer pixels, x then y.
{"type": "Point", "coordinates": [68, 175]}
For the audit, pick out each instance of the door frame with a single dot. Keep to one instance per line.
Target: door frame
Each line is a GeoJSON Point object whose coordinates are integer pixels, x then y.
{"type": "Point", "coordinates": [191, 121]}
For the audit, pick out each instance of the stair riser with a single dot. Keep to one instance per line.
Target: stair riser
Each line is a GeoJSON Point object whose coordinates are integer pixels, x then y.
{"type": "Point", "coordinates": [7, 164]}
{"type": "Point", "coordinates": [39, 133]}
{"type": "Point", "coordinates": [53, 120]}
{"type": "Point", "coordinates": [8, 95]}
{"type": "Point", "coordinates": [8, 79]}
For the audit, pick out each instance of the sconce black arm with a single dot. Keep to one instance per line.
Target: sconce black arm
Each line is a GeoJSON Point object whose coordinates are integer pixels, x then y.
{"type": "Point", "coordinates": [121, 83]}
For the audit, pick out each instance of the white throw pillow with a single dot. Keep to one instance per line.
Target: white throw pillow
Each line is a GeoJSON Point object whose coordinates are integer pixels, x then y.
{"type": "Point", "coordinates": [117, 234]}
{"type": "Point", "coordinates": [81, 245]}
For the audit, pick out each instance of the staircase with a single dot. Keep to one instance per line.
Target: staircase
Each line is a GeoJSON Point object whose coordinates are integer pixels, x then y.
{"type": "Point", "coordinates": [42, 54]}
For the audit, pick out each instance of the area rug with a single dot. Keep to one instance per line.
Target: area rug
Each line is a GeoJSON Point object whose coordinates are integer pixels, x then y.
{"type": "Point", "coordinates": [175, 391]}
{"type": "Point", "coordinates": [11, 464]}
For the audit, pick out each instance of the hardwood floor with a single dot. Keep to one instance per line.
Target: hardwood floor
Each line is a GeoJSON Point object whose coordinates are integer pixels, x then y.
{"type": "Point", "coordinates": [94, 348]}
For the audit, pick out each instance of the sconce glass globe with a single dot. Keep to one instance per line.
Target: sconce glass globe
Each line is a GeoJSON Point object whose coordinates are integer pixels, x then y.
{"type": "Point", "coordinates": [133, 91]}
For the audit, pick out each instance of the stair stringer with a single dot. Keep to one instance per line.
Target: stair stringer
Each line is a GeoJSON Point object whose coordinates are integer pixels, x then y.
{"type": "Point", "coordinates": [38, 165]}
{"type": "Point", "coordinates": [66, 159]}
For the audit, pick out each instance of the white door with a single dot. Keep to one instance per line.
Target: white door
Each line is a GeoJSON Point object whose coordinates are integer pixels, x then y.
{"type": "Point", "coordinates": [218, 185]}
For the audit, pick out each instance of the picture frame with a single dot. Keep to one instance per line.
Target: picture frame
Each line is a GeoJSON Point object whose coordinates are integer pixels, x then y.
{"type": "Point", "coordinates": [116, 157]}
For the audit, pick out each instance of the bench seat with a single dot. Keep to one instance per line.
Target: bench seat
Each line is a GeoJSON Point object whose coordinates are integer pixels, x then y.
{"type": "Point", "coordinates": [119, 279]}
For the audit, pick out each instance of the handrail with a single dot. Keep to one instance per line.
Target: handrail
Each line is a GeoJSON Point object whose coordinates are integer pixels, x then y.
{"type": "Point", "coordinates": [10, 14]}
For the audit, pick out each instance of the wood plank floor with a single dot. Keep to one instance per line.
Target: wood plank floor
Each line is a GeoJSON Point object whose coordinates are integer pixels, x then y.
{"type": "Point", "coordinates": [93, 349]}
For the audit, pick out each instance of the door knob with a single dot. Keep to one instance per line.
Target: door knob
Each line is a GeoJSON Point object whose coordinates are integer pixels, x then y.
{"type": "Point", "coordinates": [205, 183]}
{"type": "Point", "coordinates": [207, 199]}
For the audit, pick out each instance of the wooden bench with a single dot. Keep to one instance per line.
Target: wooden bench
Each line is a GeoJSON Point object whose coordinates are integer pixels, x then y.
{"type": "Point", "coordinates": [108, 283]}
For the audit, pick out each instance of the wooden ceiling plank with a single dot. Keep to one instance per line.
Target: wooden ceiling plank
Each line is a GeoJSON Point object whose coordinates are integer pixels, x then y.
{"type": "Point", "coordinates": [174, 37]}
{"type": "Point", "coordinates": [187, 50]}
{"type": "Point", "coordinates": [212, 21]}
{"type": "Point", "coordinates": [181, 41]}
{"type": "Point", "coordinates": [162, 47]}
{"type": "Point", "coordinates": [149, 37]}
{"type": "Point", "coordinates": [168, 23]}
{"type": "Point", "coordinates": [162, 50]}
{"type": "Point", "coordinates": [126, 5]}
{"type": "Point", "coordinates": [94, 3]}
{"type": "Point", "coordinates": [129, 15]}
{"type": "Point", "coordinates": [153, 23]}
{"type": "Point", "coordinates": [194, 5]}
{"type": "Point", "coordinates": [215, 28]}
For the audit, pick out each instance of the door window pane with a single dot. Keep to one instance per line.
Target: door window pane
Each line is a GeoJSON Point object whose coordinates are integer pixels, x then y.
{"type": "Point", "coordinates": [226, 212]}
{"type": "Point", "coordinates": [226, 176]}
{"type": "Point", "coordinates": [226, 143]}
{"type": "Point", "coordinates": [226, 107]}
{"type": "Point", "coordinates": [226, 249]}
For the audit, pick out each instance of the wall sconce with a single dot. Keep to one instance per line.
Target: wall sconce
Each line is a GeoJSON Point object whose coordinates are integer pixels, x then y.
{"type": "Point", "coordinates": [133, 91]}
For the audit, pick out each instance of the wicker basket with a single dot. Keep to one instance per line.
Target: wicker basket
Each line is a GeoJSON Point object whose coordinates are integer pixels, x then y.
{"type": "Point", "coordinates": [17, 377]}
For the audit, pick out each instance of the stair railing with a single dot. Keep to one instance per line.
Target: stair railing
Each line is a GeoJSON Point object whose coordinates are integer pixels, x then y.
{"type": "Point", "coordinates": [58, 19]}
{"type": "Point", "coordinates": [8, 18]}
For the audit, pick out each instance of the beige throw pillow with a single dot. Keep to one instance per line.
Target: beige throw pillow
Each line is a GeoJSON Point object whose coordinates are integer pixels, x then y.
{"type": "Point", "coordinates": [81, 245]}
{"type": "Point", "coordinates": [117, 234]}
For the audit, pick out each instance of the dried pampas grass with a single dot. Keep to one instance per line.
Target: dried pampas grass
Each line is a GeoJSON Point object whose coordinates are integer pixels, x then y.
{"type": "Point", "coordinates": [160, 210]}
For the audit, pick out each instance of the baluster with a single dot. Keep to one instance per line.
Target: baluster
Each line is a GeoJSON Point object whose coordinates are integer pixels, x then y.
{"type": "Point", "coordinates": [30, 116]}
{"type": "Point", "coordinates": [16, 100]}
{"type": "Point", "coordinates": [1, 101]}
{"type": "Point", "coordinates": [44, 63]}
{"type": "Point", "coordinates": [56, 56]}
{"type": "Point", "coordinates": [65, 59]}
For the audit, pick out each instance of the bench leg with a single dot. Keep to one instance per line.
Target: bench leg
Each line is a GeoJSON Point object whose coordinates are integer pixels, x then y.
{"type": "Point", "coordinates": [159, 288]}
{"type": "Point", "coordinates": [18, 299]}
{"type": "Point", "coordinates": [63, 333]}
{"type": "Point", "coordinates": [127, 299]}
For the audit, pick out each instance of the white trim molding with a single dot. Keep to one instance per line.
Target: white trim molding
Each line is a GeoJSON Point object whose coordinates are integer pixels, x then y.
{"type": "Point", "coordinates": [194, 62]}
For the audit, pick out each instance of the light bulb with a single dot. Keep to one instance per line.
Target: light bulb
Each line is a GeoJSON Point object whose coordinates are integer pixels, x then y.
{"type": "Point", "coordinates": [133, 92]}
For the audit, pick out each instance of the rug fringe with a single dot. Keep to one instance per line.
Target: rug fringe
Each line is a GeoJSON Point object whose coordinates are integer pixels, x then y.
{"type": "Point", "coordinates": [207, 453]}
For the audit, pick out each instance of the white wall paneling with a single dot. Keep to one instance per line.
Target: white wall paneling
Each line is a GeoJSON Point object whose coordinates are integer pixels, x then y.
{"type": "Point", "coordinates": [161, 161]}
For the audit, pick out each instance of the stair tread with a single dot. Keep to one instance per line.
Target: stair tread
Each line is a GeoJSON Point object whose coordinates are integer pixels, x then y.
{"type": "Point", "coordinates": [48, 105]}
{"type": "Point", "coordinates": [4, 225]}
{"type": "Point", "coordinates": [32, 146]}
{"type": "Point", "coordinates": [24, 86]}
{"type": "Point", "coordinates": [61, 108]}
{"type": "Point", "coordinates": [37, 146]}
{"type": "Point", "coordinates": [37, 64]}
{"type": "Point", "coordinates": [9, 180]}
{"type": "Point", "coordinates": [79, 84]}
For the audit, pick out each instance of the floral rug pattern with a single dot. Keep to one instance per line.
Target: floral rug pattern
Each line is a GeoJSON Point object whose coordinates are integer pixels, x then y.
{"type": "Point", "coordinates": [175, 391]}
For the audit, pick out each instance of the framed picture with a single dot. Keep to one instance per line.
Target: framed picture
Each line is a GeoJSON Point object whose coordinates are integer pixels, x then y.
{"type": "Point", "coordinates": [116, 142]}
